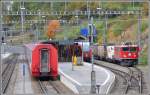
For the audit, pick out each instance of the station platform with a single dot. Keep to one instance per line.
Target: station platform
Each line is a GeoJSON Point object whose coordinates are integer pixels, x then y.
{"type": "Point", "coordinates": [4, 56]}
{"type": "Point", "coordinates": [79, 79]}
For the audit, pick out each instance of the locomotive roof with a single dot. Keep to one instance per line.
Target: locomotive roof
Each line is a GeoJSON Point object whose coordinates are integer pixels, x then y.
{"type": "Point", "coordinates": [126, 45]}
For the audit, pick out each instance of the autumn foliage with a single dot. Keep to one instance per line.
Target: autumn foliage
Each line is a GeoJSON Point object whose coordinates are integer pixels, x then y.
{"type": "Point", "coordinates": [52, 27]}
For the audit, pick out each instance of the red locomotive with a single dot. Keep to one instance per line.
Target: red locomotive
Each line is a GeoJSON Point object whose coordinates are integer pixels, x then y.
{"type": "Point", "coordinates": [121, 54]}
{"type": "Point", "coordinates": [43, 60]}
{"type": "Point", "coordinates": [126, 54]}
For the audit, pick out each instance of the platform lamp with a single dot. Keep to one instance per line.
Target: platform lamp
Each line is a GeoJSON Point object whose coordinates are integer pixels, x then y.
{"type": "Point", "coordinates": [93, 75]}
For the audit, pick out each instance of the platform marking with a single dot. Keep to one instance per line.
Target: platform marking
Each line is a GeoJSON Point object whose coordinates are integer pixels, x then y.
{"type": "Point", "coordinates": [7, 54]}
{"type": "Point", "coordinates": [108, 76]}
{"type": "Point", "coordinates": [69, 77]}
{"type": "Point", "coordinates": [110, 85]}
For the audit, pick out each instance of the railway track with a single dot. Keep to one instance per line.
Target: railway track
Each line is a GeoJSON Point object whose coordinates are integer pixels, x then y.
{"type": "Point", "coordinates": [44, 85]}
{"type": "Point", "coordinates": [135, 80]}
{"type": "Point", "coordinates": [7, 72]}
{"type": "Point", "coordinates": [53, 87]}
{"type": "Point", "coordinates": [5, 61]}
{"type": "Point", "coordinates": [131, 76]}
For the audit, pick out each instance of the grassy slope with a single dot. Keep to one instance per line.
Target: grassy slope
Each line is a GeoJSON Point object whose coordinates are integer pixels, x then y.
{"type": "Point", "coordinates": [118, 31]}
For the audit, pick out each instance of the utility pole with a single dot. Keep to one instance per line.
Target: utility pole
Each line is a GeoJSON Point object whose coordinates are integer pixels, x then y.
{"type": "Point", "coordinates": [104, 35]}
{"type": "Point", "coordinates": [22, 30]}
{"type": "Point", "coordinates": [93, 75]}
{"type": "Point", "coordinates": [65, 5]}
{"type": "Point", "coordinates": [44, 19]}
{"type": "Point", "coordinates": [149, 48]}
{"type": "Point", "coordinates": [1, 28]}
{"type": "Point", "coordinates": [90, 31]}
{"type": "Point", "coordinates": [139, 35]}
{"type": "Point", "coordinates": [133, 4]}
{"type": "Point", "coordinates": [22, 17]}
{"type": "Point", "coordinates": [37, 28]}
{"type": "Point", "coordinates": [52, 7]}
{"type": "Point", "coordinates": [88, 10]}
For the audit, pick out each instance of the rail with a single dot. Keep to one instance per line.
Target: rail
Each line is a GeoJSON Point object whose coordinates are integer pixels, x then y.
{"type": "Point", "coordinates": [7, 73]}
{"type": "Point", "coordinates": [134, 75]}
{"type": "Point", "coordinates": [43, 87]}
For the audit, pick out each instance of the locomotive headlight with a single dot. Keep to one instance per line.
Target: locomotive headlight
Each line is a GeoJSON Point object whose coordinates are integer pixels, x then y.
{"type": "Point", "coordinates": [129, 54]}
{"type": "Point", "coordinates": [124, 56]}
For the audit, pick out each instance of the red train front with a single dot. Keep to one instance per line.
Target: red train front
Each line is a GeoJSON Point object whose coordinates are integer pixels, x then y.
{"type": "Point", "coordinates": [43, 59]}
{"type": "Point", "coordinates": [126, 54]}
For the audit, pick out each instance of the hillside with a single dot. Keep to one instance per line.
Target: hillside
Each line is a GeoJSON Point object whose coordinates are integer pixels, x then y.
{"type": "Point", "coordinates": [121, 28]}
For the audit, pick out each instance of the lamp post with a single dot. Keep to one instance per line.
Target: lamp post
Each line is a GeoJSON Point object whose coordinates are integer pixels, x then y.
{"type": "Point", "coordinates": [104, 35]}
{"type": "Point", "coordinates": [90, 31]}
{"type": "Point", "coordinates": [93, 75]}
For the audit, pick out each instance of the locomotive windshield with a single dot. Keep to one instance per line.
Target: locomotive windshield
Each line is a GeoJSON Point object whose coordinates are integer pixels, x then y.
{"type": "Point", "coordinates": [125, 49]}
{"type": "Point", "coordinates": [131, 49]}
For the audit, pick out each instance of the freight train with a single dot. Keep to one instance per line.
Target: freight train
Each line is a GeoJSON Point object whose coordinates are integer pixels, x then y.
{"type": "Point", "coordinates": [42, 59]}
{"type": "Point", "coordinates": [126, 55]}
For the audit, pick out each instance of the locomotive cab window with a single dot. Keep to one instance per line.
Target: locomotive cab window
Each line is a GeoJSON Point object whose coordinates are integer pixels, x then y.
{"type": "Point", "coordinates": [125, 48]}
{"type": "Point", "coordinates": [44, 60]}
{"type": "Point", "coordinates": [133, 49]}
